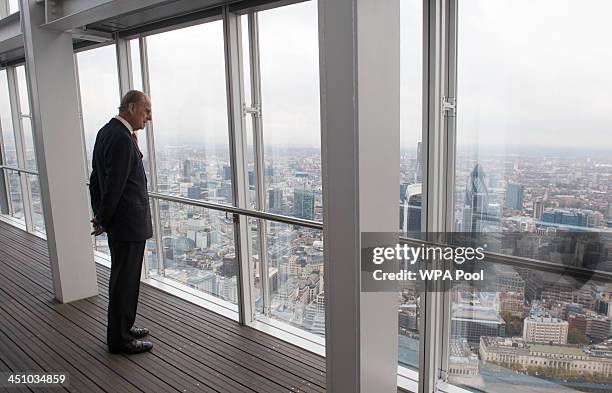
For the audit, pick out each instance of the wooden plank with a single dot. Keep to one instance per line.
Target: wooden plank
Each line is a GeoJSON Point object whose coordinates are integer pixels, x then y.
{"type": "Point", "coordinates": [133, 369]}
{"type": "Point", "coordinates": [286, 354]}
{"type": "Point", "coordinates": [257, 360]}
{"type": "Point", "coordinates": [236, 371]}
{"type": "Point", "coordinates": [41, 354]}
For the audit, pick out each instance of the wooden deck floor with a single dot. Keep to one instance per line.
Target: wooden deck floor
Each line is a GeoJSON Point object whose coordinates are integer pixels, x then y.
{"type": "Point", "coordinates": [195, 349]}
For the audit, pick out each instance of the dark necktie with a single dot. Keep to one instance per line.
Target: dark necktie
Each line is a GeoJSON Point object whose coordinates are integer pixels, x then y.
{"type": "Point", "coordinates": [135, 140]}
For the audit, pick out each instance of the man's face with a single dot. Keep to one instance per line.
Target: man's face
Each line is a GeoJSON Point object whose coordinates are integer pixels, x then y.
{"type": "Point", "coordinates": [140, 114]}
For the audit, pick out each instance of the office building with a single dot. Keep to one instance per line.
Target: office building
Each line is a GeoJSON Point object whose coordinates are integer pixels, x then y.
{"type": "Point", "coordinates": [545, 330]}
{"type": "Point", "coordinates": [514, 196]}
{"type": "Point", "coordinates": [303, 204]}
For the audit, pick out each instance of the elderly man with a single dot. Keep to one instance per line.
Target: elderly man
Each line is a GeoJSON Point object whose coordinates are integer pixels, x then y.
{"type": "Point", "coordinates": [119, 198]}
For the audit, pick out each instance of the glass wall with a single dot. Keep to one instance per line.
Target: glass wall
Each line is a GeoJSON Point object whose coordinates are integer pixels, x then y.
{"type": "Point", "coordinates": [25, 118]}
{"type": "Point", "coordinates": [411, 167]}
{"type": "Point", "coordinates": [99, 92]}
{"type": "Point", "coordinates": [21, 192]}
{"type": "Point", "coordinates": [290, 110]}
{"type": "Point", "coordinates": [188, 91]}
{"type": "Point", "coordinates": [198, 249]}
{"type": "Point", "coordinates": [534, 170]}
{"type": "Point", "coordinates": [99, 97]}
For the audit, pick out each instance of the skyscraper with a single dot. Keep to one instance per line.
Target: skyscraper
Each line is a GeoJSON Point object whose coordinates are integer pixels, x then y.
{"type": "Point", "coordinates": [514, 196]}
{"type": "Point", "coordinates": [187, 169]}
{"type": "Point", "coordinates": [475, 211]}
{"type": "Point", "coordinates": [538, 209]}
{"type": "Point", "coordinates": [227, 172]}
{"type": "Point", "coordinates": [303, 204]}
{"type": "Point", "coordinates": [410, 207]}
{"type": "Point", "coordinates": [418, 172]}
{"type": "Point", "coordinates": [275, 200]}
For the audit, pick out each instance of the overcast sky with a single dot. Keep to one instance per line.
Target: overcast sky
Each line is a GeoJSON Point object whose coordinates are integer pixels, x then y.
{"type": "Point", "coordinates": [530, 72]}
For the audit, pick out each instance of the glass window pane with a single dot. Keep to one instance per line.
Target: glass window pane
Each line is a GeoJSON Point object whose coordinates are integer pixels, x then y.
{"type": "Point", "coordinates": [289, 62]}
{"type": "Point", "coordinates": [6, 122]}
{"type": "Point", "coordinates": [101, 244]}
{"type": "Point", "coordinates": [411, 168]}
{"type": "Point", "coordinates": [13, 6]}
{"type": "Point", "coordinates": [30, 154]}
{"type": "Point", "coordinates": [151, 260]}
{"type": "Point", "coordinates": [37, 209]}
{"type": "Point", "coordinates": [248, 101]}
{"type": "Point", "coordinates": [295, 276]}
{"type": "Point", "coordinates": [199, 249]}
{"type": "Point", "coordinates": [14, 185]}
{"type": "Point", "coordinates": [22, 85]}
{"type": "Point", "coordinates": [99, 88]}
{"type": "Point", "coordinates": [135, 59]}
{"type": "Point", "coordinates": [188, 92]}
{"type": "Point", "coordinates": [533, 170]}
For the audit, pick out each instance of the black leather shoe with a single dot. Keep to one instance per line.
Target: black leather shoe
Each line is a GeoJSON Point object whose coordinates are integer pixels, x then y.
{"type": "Point", "coordinates": [139, 332]}
{"type": "Point", "coordinates": [134, 347]}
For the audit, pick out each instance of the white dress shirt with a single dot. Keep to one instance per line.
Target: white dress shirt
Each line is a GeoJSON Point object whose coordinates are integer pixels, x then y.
{"type": "Point", "coordinates": [125, 123]}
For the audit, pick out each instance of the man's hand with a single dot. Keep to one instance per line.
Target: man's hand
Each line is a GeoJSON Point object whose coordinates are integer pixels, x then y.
{"type": "Point", "coordinates": [98, 229]}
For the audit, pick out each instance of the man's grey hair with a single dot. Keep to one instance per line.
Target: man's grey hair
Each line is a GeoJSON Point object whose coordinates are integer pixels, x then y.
{"type": "Point", "coordinates": [131, 97]}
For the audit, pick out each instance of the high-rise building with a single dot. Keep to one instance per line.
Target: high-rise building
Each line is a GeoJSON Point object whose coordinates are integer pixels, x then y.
{"type": "Point", "coordinates": [187, 169]}
{"type": "Point", "coordinates": [598, 328]}
{"type": "Point", "coordinates": [476, 214]}
{"type": "Point", "coordinates": [472, 322]}
{"type": "Point", "coordinates": [545, 330]}
{"type": "Point", "coordinates": [410, 208]}
{"type": "Point", "coordinates": [514, 196]}
{"type": "Point", "coordinates": [275, 200]}
{"type": "Point", "coordinates": [418, 171]}
{"type": "Point", "coordinates": [227, 172]}
{"type": "Point", "coordinates": [251, 180]}
{"type": "Point", "coordinates": [194, 192]}
{"type": "Point", "coordinates": [538, 209]}
{"type": "Point", "coordinates": [303, 204]}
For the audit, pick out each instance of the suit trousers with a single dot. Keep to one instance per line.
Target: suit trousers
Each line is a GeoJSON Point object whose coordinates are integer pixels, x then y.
{"type": "Point", "coordinates": [123, 290]}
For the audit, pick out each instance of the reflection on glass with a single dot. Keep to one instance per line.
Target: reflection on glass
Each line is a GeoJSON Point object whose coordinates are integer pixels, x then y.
{"type": "Point", "coordinates": [295, 276]}
{"type": "Point", "coordinates": [532, 157]}
{"type": "Point", "coordinates": [188, 92]}
{"type": "Point", "coordinates": [6, 123]}
{"type": "Point", "coordinates": [533, 170]}
{"type": "Point", "coordinates": [546, 332]}
{"type": "Point", "coordinates": [291, 110]}
{"type": "Point", "coordinates": [37, 209]}
{"type": "Point", "coordinates": [198, 249]}
{"type": "Point", "coordinates": [99, 88]}
{"type": "Point", "coordinates": [411, 167]}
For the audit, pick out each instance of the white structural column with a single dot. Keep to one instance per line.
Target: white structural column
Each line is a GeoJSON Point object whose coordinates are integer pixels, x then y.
{"type": "Point", "coordinates": [53, 97]}
{"type": "Point", "coordinates": [359, 57]}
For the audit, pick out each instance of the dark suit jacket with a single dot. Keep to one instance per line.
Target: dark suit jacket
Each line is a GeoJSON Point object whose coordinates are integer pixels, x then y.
{"type": "Point", "coordinates": [118, 185]}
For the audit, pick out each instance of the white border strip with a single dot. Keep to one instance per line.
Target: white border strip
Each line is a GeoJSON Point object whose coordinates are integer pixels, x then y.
{"type": "Point", "coordinates": [291, 334]}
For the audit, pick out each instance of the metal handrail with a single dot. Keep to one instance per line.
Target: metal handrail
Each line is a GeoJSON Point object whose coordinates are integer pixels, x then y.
{"type": "Point", "coordinates": [243, 212]}
{"type": "Point", "coordinates": [16, 169]}
{"type": "Point", "coordinates": [530, 263]}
